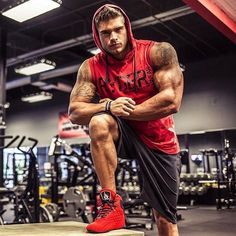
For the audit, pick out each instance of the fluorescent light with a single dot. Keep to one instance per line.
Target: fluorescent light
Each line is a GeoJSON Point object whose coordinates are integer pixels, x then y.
{"type": "Point", "coordinates": [198, 132]}
{"type": "Point", "coordinates": [36, 67]}
{"type": "Point", "coordinates": [37, 97]}
{"type": "Point", "coordinates": [207, 181]}
{"type": "Point", "coordinates": [48, 87]}
{"type": "Point", "coordinates": [39, 83]}
{"type": "Point", "coordinates": [94, 51]}
{"type": "Point", "coordinates": [26, 9]}
{"type": "Point", "coordinates": [182, 67]}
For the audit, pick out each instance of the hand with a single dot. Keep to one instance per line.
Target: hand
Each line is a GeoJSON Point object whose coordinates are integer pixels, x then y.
{"type": "Point", "coordinates": [104, 100]}
{"type": "Point", "coordinates": [122, 106]}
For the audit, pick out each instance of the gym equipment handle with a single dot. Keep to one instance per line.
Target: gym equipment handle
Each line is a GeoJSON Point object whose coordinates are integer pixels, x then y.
{"type": "Point", "coordinates": [35, 142]}
{"type": "Point", "coordinates": [9, 137]}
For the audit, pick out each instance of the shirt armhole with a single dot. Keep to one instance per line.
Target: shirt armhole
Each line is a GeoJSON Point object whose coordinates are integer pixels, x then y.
{"type": "Point", "coordinates": [91, 66]}
{"type": "Point", "coordinates": [148, 55]}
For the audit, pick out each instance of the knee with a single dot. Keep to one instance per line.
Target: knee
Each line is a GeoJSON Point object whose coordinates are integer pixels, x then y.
{"type": "Point", "coordinates": [163, 221]}
{"type": "Point", "coordinates": [101, 126]}
{"type": "Point", "coordinates": [160, 219]}
{"type": "Point", "coordinates": [165, 227]}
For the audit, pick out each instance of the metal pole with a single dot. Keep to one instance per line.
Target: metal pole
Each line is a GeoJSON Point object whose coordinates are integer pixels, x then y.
{"type": "Point", "coordinates": [3, 55]}
{"type": "Point", "coordinates": [186, 141]}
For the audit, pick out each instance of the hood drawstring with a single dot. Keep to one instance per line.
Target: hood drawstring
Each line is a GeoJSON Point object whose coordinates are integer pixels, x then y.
{"type": "Point", "coordinates": [107, 71]}
{"type": "Point", "coordinates": [107, 80]}
{"type": "Point", "coordinates": [135, 73]}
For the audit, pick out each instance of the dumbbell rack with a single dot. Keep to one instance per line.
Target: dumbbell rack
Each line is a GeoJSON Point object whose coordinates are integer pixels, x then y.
{"type": "Point", "coordinates": [191, 189]}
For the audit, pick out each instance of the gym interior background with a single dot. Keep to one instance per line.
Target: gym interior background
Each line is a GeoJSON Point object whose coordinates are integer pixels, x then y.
{"type": "Point", "coordinates": [206, 123]}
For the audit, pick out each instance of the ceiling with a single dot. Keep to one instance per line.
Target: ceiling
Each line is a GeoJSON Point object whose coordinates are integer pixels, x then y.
{"type": "Point", "coordinates": [64, 36]}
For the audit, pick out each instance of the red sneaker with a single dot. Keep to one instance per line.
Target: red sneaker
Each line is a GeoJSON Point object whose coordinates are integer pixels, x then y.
{"type": "Point", "coordinates": [110, 214]}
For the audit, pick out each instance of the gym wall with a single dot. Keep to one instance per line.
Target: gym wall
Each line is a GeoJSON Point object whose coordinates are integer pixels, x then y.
{"type": "Point", "coordinates": [37, 123]}
{"type": "Point", "coordinates": [197, 142]}
{"type": "Point", "coordinates": [209, 103]}
{"type": "Point", "coordinates": [209, 100]}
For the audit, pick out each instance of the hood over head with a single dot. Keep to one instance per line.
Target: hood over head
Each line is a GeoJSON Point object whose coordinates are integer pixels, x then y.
{"type": "Point", "coordinates": [127, 24]}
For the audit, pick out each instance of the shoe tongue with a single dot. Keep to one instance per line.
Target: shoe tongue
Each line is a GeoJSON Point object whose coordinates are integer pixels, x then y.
{"type": "Point", "coordinates": [107, 195]}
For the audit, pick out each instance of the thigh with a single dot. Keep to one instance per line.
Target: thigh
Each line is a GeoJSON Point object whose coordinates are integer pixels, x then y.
{"type": "Point", "coordinates": [104, 122]}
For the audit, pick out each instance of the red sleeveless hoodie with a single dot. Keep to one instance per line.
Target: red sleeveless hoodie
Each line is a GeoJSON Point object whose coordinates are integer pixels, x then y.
{"type": "Point", "coordinates": [133, 77]}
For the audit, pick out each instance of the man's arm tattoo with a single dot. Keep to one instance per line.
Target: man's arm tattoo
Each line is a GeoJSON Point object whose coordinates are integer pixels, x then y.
{"type": "Point", "coordinates": [165, 55]}
{"type": "Point", "coordinates": [84, 87]}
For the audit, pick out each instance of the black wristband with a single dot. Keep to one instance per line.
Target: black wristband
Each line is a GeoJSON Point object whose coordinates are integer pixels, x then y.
{"type": "Point", "coordinates": [108, 107]}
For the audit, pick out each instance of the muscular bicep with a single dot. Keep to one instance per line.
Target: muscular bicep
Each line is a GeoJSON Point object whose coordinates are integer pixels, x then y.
{"type": "Point", "coordinates": [169, 81]}
{"type": "Point", "coordinates": [84, 90]}
{"type": "Point", "coordinates": [168, 76]}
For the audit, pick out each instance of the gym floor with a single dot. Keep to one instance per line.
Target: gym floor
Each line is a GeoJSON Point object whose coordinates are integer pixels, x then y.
{"type": "Point", "coordinates": [205, 221]}
{"type": "Point", "coordinates": [200, 220]}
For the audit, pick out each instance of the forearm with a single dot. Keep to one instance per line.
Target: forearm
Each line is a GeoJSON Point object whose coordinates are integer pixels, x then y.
{"type": "Point", "coordinates": [167, 101]}
{"type": "Point", "coordinates": [81, 112]}
{"type": "Point", "coordinates": [156, 107]}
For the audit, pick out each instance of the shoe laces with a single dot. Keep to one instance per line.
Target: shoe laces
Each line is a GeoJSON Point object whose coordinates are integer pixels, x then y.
{"type": "Point", "coordinates": [105, 209]}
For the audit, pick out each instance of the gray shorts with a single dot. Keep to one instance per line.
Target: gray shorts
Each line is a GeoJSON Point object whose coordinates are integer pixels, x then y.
{"type": "Point", "coordinates": [159, 171]}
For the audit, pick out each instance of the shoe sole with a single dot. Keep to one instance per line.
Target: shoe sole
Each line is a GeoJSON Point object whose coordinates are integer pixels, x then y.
{"type": "Point", "coordinates": [95, 232]}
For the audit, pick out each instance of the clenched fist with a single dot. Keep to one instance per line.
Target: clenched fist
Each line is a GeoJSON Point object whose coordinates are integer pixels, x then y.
{"type": "Point", "coordinates": [122, 106]}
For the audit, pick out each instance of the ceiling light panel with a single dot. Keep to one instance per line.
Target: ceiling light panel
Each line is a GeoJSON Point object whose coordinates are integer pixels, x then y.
{"type": "Point", "coordinates": [27, 9]}
{"type": "Point", "coordinates": [37, 97]}
{"type": "Point", "coordinates": [36, 67]}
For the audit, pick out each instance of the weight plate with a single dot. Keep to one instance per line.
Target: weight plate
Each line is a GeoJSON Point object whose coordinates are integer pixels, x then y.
{"type": "Point", "coordinates": [73, 202]}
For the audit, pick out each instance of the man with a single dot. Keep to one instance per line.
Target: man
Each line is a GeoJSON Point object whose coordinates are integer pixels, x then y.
{"type": "Point", "coordinates": [140, 85]}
